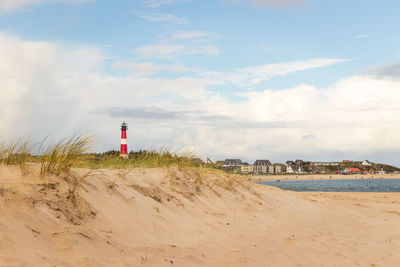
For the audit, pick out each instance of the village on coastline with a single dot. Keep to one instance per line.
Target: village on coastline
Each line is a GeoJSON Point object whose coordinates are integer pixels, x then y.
{"type": "Point", "coordinates": [265, 167]}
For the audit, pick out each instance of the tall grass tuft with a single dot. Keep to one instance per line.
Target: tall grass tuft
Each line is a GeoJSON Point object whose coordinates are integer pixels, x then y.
{"type": "Point", "coordinates": [16, 152]}
{"type": "Point", "coordinates": [60, 157]}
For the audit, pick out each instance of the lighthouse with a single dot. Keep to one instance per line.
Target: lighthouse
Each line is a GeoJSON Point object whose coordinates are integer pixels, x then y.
{"type": "Point", "coordinates": [124, 144]}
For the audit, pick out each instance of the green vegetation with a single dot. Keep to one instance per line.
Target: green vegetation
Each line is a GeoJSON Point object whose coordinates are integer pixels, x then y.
{"type": "Point", "coordinates": [142, 159]}
{"type": "Point", "coordinates": [58, 158]}
{"type": "Point", "coordinates": [16, 152]}
{"type": "Point", "coordinates": [374, 167]}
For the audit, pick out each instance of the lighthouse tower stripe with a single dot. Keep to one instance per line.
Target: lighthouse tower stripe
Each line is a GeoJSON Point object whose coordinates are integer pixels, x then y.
{"type": "Point", "coordinates": [124, 145]}
{"type": "Point", "coordinates": [124, 149]}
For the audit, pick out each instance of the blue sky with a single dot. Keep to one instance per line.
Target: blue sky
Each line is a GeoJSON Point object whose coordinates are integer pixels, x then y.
{"type": "Point", "coordinates": [273, 79]}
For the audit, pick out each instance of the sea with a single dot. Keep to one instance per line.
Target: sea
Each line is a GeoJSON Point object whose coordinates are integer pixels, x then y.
{"type": "Point", "coordinates": [350, 185]}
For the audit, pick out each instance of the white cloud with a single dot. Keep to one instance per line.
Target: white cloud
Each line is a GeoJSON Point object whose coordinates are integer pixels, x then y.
{"type": "Point", "coordinates": [254, 75]}
{"type": "Point", "coordinates": [181, 43]}
{"type": "Point", "coordinates": [189, 35]}
{"type": "Point", "coordinates": [159, 51]}
{"type": "Point", "coordinates": [51, 89]}
{"type": "Point", "coordinates": [158, 3]}
{"type": "Point", "coordinates": [160, 17]}
{"type": "Point", "coordinates": [9, 5]}
{"type": "Point", "coordinates": [364, 35]}
{"type": "Point", "coordinates": [194, 36]}
{"type": "Point", "coordinates": [143, 69]}
{"type": "Point", "coordinates": [169, 51]}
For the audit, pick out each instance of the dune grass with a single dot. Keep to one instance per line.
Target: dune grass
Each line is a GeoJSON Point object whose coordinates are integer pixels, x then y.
{"type": "Point", "coordinates": [60, 157]}
{"type": "Point", "coordinates": [142, 159]}
{"type": "Point", "coordinates": [57, 159]}
{"type": "Point", "coordinates": [16, 152]}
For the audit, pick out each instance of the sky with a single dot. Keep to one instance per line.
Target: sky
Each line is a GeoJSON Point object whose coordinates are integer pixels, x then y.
{"type": "Point", "coordinates": [252, 79]}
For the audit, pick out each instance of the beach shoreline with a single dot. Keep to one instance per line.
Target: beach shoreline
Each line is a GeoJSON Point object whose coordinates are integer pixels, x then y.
{"type": "Point", "coordinates": [306, 177]}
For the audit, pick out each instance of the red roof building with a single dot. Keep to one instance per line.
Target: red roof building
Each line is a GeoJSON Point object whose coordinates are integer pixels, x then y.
{"type": "Point", "coordinates": [353, 170]}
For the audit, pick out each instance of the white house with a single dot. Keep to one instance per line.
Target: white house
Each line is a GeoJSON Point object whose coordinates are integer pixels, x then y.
{"type": "Point", "coordinates": [289, 169]}
{"type": "Point", "coordinates": [366, 163]}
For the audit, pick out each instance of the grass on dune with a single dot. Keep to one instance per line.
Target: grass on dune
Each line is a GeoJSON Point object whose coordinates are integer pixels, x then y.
{"type": "Point", "coordinates": [16, 152]}
{"type": "Point", "coordinates": [60, 157]}
{"type": "Point", "coordinates": [142, 159]}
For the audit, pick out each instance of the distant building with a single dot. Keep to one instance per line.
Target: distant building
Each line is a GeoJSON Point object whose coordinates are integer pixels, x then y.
{"type": "Point", "coordinates": [366, 163]}
{"type": "Point", "coordinates": [289, 168]}
{"type": "Point", "coordinates": [271, 169]}
{"type": "Point", "coordinates": [233, 162]}
{"type": "Point", "coordinates": [352, 170]}
{"type": "Point", "coordinates": [232, 165]}
{"type": "Point", "coordinates": [347, 161]}
{"type": "Point", "coordinates": [260, 166]}
{"type": "Point", "coordinates": [294, 166]}
{"type": "Point", "coordinates": [262, 162]}
{"type": "Point", "coordinates": [325, 163]}
{"type": "Point", "coordinates": [280, 168]}
{"type": "Point", "coordinates": [246, 168]}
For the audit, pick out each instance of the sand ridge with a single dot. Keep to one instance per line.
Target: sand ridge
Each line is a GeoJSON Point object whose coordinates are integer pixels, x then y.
{"type": "Point", "coordinates": [172, 217]}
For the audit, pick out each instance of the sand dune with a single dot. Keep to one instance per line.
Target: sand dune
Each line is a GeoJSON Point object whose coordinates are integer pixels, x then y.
{"type": "Point", "coordinates": [160, 217]}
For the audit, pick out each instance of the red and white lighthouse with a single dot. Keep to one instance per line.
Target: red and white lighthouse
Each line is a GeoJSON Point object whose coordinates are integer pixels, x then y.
{"type": "Point", "coordinates": [124, 145]}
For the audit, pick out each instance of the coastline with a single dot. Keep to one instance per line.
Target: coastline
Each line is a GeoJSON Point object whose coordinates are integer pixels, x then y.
{"type": "Point", "coordinates": [306, 177]}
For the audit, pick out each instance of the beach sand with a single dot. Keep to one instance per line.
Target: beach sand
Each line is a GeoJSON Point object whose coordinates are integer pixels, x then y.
{"type": "Point", "coordinates": [160, 217]}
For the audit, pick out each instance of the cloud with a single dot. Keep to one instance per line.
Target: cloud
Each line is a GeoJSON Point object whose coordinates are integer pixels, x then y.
{"type": "Point", "coordinates": [160, 17]}
{"type": "Point", "coordinates": [48, 88]}
{"type": "Point", "coordinates": [366, 35]}
{"type": "Point", "coordinates": [359, 36]}
{"type": "Point", "coordinates": [194, 36]}
{"type": "Point", "coordinates": [158, 3]}
{"type": "Point", "coordinates": [169, 51]}
{"type": "Point", "coordinates": [254, 75]}
{"type": "Point", "coordinates": [189, 35]}
{"type": "Point", "coordinates": [179, 44]}
{"type": "Point", "coordinates": [9, 5]}
{"type": "Point", "coordinates": [271, 3]}
{"type": "Point", "coordinates": [390, 71]}
{"type": "Point", "coordinates": [140, 113]}
{"type": "Point", "coordinates": [148, 68]}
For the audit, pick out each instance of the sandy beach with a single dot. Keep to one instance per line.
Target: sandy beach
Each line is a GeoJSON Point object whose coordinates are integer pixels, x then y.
{"type": "Point", "coordinates": [322, 177]}
{"type": "Point", "coordinates": [171, 217]}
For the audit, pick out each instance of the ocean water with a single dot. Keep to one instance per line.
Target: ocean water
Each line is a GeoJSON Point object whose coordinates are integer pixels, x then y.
{"type": "Point", "coordinates": [366, 185]}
